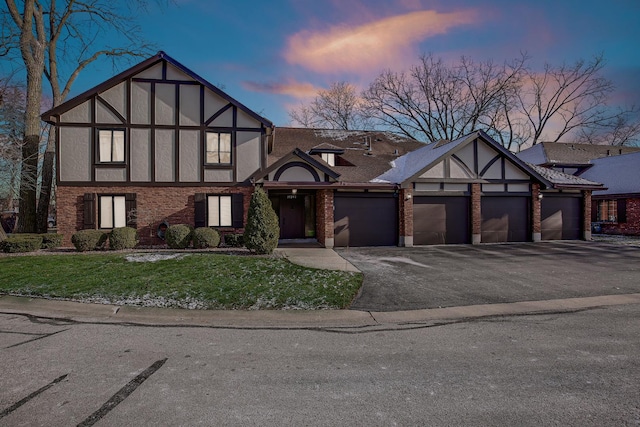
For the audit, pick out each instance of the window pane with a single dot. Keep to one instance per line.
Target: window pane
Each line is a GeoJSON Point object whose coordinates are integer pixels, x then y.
{"type": "Point", "coordinates": [225, 211]}
{"type": "Point", "coordinates": [119, 211]}
{"type": "Point", "coordinates": [118, 146]}
{"type": "Point", "coordinates": [214, 211]}
{"type": "Point", "coordinates": [225, 142]}
{"type": "Point", "coordinates": [212, 148]}
{"type": "Point", "coordinates": [105, 145]}
{"type": "Point", "coordinates": [106, 212]}
{"type": "Point", "coordinates": [225, 157]}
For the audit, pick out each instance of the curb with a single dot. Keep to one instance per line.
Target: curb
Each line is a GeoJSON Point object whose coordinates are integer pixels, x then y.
{"type": "Point", "coordinates": [76, 312]}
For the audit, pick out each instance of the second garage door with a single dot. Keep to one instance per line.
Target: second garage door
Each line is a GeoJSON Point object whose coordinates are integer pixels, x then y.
{"type": "Point", "coordinates": [365, 219]}
{"type": "Point", "coordinates": [561, 217]}
{"type": "Point", "coordinates": [505, 219]}
{"type": "Point", "coordinates": [439, 220]}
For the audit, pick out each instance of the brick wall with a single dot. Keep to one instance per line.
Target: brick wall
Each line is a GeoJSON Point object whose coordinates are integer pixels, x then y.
{"type": "Point", "coordinates": [476, 214]}
{"type": "Point", "coordinates": [632, 226]}
{"type": "Point", "coordinates": [586, 214]}
{"type": "Point", "coordinates": [153, 205]}
{"type": "Point", "coordinates": [324, 217]}
{"type": "Point", "coordinates": [405, 218]}
{"type": "Point", "coordinates": [536, 227]}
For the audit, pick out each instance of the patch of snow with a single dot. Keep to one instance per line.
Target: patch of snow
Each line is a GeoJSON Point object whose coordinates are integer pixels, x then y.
{"type": "Point", "coordinates": [337, 134]}
{"type": "Point", "coordinates": [153, 257]}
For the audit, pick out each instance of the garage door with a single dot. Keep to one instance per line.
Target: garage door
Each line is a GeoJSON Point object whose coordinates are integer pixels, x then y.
{"type": "Point", "coordinates": [561, 217]}
{"type": "Point", "coordinates": [439, 220]}
{"type": "Point", "coordinates": [505, 219]}
{"type": "Point", "coordinates": [365, 219]}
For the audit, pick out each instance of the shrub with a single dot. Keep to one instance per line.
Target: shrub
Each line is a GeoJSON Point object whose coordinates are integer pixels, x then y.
{"type": "Point", "coordinates": [178, 236]}
{"type": "Point", "coordinates": [234, 240]}
{"type": "Point", "coordinates": [262, 230]}
{"type": "Point", "coordinates": [21, 243]}
{"type": "Point", "coordinates": [88, 240]}
{"type": "Point", "coordinates": [51, 240]}
{"type": "Point", "coordinates": [123, 238]}
{"type": "Point", "coordinates": [3, 235]}
{"type": "Point", "coordinates": [205, 237]}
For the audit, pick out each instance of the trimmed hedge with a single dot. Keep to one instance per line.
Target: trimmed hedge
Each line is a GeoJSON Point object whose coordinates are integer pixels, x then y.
{"type": "Point", "coordinates": [51, 240]}
{"type": "Point", "coordinates": [178, 236]}
{"type": "Point", "coordinates": [21, 243]}
{"type": "Point", "coordinates": [89, 240]}
{"type": "Point", "coordinates": [234, 240]}
{"type": "Point", "coordinates": [205, 237]}
{"type": "Point", "coordinates": [123, 238]}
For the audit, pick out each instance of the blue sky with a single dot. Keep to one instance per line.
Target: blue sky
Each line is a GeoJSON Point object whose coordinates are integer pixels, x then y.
{"type": "Point", "coordinates": [273, 55]}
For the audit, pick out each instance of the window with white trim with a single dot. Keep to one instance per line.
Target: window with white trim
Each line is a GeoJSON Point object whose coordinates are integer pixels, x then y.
{"type": "Point", "coordinates": [112, 212]}
{"type": "Point", "coordinates": [219, 211]}
{"type": "Point", "coordinates": [111, 146]}
{"type": "Point", "coordinates": [218, 148]}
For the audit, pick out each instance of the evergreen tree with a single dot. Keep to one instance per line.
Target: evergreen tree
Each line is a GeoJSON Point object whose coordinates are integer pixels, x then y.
{"type": "Point", "coordinates": [262, 231]}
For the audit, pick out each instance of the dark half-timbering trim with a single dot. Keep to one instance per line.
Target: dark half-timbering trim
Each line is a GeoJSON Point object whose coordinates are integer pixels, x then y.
{"type": "Point", "coordinates": [303, 165]}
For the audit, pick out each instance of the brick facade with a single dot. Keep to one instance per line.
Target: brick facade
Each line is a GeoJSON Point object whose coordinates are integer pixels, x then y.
{"type": "Point", "coordinates": [324, 217]}
{"type": "Point", "coordinates": [586, 214]}
{"type": "Point", "coordinates": [631, 226]}
{"type": "Point", "coordinates": [476, 214]}
{"type": "Point", "coordinates": [153, 205]}
{"type": "Point", "coordinates": [405, 217]}
{"type": "Point", "coordinates": [536, 203]}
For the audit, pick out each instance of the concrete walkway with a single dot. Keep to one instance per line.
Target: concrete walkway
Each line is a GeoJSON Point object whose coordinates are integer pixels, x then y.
{"type": "Point", "coordinates": [322, 258]}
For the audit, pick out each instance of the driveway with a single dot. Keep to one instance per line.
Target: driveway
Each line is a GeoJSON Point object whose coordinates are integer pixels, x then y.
{"type": "Point", "coordinates": [455, 275]}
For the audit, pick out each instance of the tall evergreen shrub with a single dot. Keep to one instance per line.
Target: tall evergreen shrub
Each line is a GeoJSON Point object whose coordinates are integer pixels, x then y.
{"type": "Point", "coordinates": [262, 231]}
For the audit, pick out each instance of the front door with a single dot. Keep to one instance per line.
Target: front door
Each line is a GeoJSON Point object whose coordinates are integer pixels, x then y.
{"type": "Point", "coordinates": [292, 217]}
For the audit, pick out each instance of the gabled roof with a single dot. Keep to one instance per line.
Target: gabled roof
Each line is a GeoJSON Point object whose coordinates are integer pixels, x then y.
{"type": "Point", "coordinates": [368, 162]}
{"type": "Point", "coordinates": [48, 116]}
{"type": "Point", "coordinates": [326, 148]}
{"type": "Point", "coordinates": [316, 163]}
{"type": "Point", "coordinates": [563, 180]}
{"type": "Point", "coordinates": [568, 154]}
{"type": "Point", "coordinates": [620, 174]}
{"type": "Point", "coordinates": [414, 163]}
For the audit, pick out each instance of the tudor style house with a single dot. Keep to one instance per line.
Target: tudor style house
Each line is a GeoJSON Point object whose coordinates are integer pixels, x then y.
{"type": "Point", "coordinates": [158, 145]}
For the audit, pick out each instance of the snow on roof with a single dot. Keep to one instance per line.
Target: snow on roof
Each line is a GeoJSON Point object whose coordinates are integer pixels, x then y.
{"type": "Point", "coordinates": [561, 178]}
{"type": "Point", "coordinates": [406, 166]}
{"type": "Point", "coordinates": [620, 174]}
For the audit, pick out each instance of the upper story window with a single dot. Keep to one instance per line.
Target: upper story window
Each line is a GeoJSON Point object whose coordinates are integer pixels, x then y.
{"type": "Point", "coordinates": [218, 148]}
{"type": "Point", "coordinates": [111, 146]}
{"type": "Point", "coordinates": [330, 158]}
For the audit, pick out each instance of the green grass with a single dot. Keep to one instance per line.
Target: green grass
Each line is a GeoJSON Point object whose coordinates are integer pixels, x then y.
{"type": "Point", "coordinates": [205, 281]}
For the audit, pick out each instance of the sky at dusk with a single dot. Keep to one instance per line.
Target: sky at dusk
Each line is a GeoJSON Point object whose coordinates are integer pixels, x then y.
{"type": "Point", "coordinates": [272, 55]}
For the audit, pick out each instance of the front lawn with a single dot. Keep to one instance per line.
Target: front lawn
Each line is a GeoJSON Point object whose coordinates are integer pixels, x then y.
{"type": "Point", "coordinates": [196, 280]}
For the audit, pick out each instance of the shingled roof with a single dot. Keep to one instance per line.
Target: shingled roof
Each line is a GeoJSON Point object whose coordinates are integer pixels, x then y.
{"type": "Point", "coordinates": [563, 180]}
{"type": "Point", "coordinates": [560, 153]}
{"type": "Point", "coordinates": [620, 174]}
{"type": "Point", "coordinates": [368, 162]}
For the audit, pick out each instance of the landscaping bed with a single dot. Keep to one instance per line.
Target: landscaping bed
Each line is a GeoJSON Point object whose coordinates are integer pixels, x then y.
{"type": "Point", "coordinates": [203, 280]}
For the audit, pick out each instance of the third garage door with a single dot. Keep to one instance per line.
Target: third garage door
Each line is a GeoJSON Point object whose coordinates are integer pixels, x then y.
{"type": "Point", "coordinates": [505, 219]}
{"type": "Point", "coordinates": [439, 220]}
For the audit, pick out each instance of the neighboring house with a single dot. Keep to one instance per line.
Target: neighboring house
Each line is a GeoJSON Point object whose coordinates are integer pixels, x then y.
{"type": "Point", "coordinates": [158, 145]}
{"type": "Point", "coordinates": [616, 208]}
{"type": "Point", "coordinates": [570, 158]}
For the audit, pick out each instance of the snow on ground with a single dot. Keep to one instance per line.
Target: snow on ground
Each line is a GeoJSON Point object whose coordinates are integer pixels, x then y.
{"type": "Point", "coordinates": [153, 257]}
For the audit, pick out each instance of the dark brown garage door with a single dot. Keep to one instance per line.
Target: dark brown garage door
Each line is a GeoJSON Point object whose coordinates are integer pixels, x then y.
{"type": "Point", "coordinates": [438, 220]}
{"type": "Point", "coordinates": [365, 219]}
{"type": "Point", "coordinates": [561, 217]}
{"type": "Point", "coordinates": [505, 219]}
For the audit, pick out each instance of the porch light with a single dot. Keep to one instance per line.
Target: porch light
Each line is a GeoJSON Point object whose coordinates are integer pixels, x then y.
{"type": "Point", "coordinates": [540, 196]}
{"type": "Point", "coordinates": [294, 191]}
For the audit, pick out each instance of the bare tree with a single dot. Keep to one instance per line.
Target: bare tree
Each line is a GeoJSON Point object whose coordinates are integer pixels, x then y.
{"type": "Point", "coordinates": [12, 104]}
{"type": "Point", "coordinates": [338, 107]}
{"type": "Point", "coordinates": [624, 129]}
{"type": "Point", "coordinates": [436, 101]}
{"type": "Point", "coordinates": [59, 39]}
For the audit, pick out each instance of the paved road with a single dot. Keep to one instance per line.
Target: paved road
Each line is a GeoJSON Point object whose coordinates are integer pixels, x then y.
{"type": "Point", "coordinates": [456, 275]}
{"type": "Point", "coordinates": [580, 368]}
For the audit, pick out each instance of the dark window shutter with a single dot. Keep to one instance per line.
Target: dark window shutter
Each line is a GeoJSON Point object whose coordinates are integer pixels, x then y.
{"type": "Point", "coordinates": [237, 210]}
{"type": "Point", "coordinates": [130, 207]}
{"type": "Point", "coordinates": [622, 210]}
{"type": "Point", "coordinates": [89, 210]}
{"type": "Point", "coordinates": [201, 210]}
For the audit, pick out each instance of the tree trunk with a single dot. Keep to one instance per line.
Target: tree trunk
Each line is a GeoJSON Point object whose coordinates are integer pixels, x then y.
{"type": "Point", "coordinates": [47, 182]}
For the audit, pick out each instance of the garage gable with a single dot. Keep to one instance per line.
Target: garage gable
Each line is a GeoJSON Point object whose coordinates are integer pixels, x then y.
{"type": "Point", "coordinates": [297, 166]}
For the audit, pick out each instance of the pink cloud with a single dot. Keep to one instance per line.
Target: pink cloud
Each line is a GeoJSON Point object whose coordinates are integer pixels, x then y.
{"type": "Point", "coordinates": [370, 46]}
{"type": "Point", "coordinates": [291, 88]}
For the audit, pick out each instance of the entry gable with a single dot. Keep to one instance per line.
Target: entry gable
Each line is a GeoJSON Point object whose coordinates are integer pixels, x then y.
{"type": "Point", "coordinates": [297, 166]}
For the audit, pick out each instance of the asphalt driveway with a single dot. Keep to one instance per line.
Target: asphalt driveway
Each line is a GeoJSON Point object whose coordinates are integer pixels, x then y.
{"type": "Point", "coordinates": [454, 275]}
